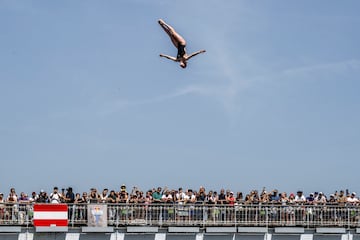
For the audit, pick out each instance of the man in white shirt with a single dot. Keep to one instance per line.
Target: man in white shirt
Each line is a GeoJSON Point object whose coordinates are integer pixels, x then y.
{"type": "Point", "coordinates": [180, 196]}
{"type": "Point", "coordinates": [300, 198]}
{"type": "Point", "coordinates": [55, 196]}
{"type": "Point", "coordinates": [352, 199]}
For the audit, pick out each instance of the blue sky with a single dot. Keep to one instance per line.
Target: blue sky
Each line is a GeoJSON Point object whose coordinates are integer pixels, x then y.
{"type": "Point", "coordinates": [86, 101]}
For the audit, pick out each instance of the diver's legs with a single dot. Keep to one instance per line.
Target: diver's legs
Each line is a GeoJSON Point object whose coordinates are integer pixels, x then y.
{"type": "Point", "coordinates": [174, 36]}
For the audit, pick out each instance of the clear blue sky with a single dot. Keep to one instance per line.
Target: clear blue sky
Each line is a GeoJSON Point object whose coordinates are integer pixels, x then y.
{"type": "Point", "coordinates": [86, 101]}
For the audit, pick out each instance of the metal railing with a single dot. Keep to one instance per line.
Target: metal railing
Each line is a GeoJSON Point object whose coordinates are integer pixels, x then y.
{"type": "Point", "coordinates": [199, 215]}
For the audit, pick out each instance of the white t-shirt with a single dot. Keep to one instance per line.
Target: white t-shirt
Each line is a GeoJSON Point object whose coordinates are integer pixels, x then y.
{"type": "Point", "coordinates": [180, 196]}
{"type": "Point", "coordinates": [166, 197]}
{"type": "Point", "coordinates": [55, 197]}
{"type": "Point", "coordinates": [300, 199]}
{"type": "Point", "coordinates": [352, 200]}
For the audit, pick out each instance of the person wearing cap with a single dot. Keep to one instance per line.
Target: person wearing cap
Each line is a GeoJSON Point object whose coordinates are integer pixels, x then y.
{"type": "Point", "coordinates": [310, 199]}
{"type": "Point", "coordinates": [320, 199]}
{"type": "Point", "coordinates": [300, 198]}
{"type": "Point", "coordinates": [123, 195]}
{"type": "Point", "coordinates": [291, 198]}
{"type": "Point", "coordinates": [332, 200]}
{"type": "Point", "coordinates": [274, 196]}
{"type": "Point", "coordinates": [230, 211]}
{"type": "Point", "coordinates": [352, 200]}
{"type": "Point", "coordinates": [231, 199]}
{"type": "Point", "coordinates": [43, 197]}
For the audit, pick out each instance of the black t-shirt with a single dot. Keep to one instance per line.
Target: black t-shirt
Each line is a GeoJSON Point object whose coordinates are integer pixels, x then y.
{"type": "Point", "coordinates": [222, 198]}
{"type": "Point", "coordinates": [70, 196]}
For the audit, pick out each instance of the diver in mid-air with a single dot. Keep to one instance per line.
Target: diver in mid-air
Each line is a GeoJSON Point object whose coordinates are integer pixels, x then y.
{"type": "Point", "coordinates": [180, 43]}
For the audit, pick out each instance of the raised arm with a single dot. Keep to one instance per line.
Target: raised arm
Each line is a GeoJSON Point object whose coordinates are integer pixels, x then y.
{"type": "Point", "coordinates": [168, 57]}
{"type": "Point", "coordinates": [194, 54]}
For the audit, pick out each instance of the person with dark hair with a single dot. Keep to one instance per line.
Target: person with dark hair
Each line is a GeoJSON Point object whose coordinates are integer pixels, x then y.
{"type": "Point", "coordinates": [93, 196]}
{"type": "Point", "coordinates": [42, 197]}
{"type": "Point", "coordinates": [157, 195]}
{"type": "Point", "coordinates": [55, 196]}
{"type": "Point", "coordinates": [69, 196]}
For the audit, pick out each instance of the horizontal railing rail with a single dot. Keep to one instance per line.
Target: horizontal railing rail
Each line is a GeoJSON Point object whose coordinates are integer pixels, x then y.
{"type": "Point", "coordinates": [272, 215]}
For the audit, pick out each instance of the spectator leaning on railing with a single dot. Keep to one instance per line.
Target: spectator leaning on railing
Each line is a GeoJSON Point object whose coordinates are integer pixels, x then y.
{"type": "Point", "coordinates": [12, 198]}
{"type": "Point", "coordinates": [167, 197]}
{"type": "Point", "coordinates": [352, 199]}
{"type": "Point", "coordinates": [112, 198]}
{"type": "Point", "coordinates": [69, 196]}
{"type": "Point", "coordinates": [123, 195]}
{"type": "Point", "coordinates": [320, 199]}
{"type": "Point", "coordinates": [42, 197]}
{"type": "Point", "coordinates": [33, 197]}
{"type": "Point", "coordinates": [179, 196]}
{"type": "Point", "coordinates": [93, 196]}
{"type": "Point", "coordinates": [300, 198]}
{"type": "Point", "coordinates": [342, 198]}
{"type": "Point", "coordinates": [2, 206]}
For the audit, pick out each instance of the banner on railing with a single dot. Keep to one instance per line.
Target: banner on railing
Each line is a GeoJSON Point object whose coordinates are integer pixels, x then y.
{"type": "Point", "coordinates": [50, 215]}
{"type": "Point", "coordinates": [97, 215]}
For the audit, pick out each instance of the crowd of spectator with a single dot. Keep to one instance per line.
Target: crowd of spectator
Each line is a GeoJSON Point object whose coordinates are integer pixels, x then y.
{"type": "Point", "coordinates": [179, 195]}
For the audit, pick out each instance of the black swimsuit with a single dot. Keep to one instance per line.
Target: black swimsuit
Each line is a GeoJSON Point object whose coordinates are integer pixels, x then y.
{"type": "Point", "coordinates": [181, 51]}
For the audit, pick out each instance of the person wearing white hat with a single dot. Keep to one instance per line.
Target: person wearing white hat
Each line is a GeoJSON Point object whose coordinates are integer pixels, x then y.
{"type": "Point", "coordinates": [320, 199]}
{"type": "Point", "coordinates": [352, 199]}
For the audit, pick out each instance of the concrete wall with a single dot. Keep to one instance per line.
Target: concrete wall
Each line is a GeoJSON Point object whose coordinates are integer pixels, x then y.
{"type": "Point", "coordinates": [183, 234]}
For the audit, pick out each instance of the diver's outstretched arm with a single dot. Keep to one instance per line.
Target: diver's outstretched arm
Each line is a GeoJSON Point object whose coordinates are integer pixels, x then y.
{"type": "Point", "coordinates": [195, 53]}
{"type": "Point", "coordinates": [168, 57]}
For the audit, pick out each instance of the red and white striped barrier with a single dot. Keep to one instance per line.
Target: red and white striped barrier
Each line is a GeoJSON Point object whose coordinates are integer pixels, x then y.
{"type": "Point", "coordinates": [50, 215]}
